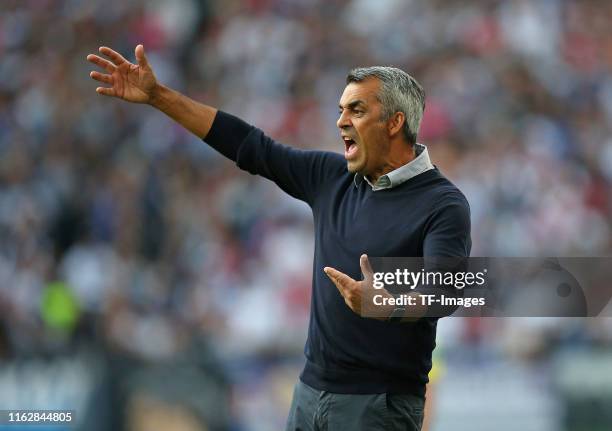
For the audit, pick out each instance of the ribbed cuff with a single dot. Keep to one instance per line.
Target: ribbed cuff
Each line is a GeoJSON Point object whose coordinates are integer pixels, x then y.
{"type": "Point", "coordinates": [227, 134]}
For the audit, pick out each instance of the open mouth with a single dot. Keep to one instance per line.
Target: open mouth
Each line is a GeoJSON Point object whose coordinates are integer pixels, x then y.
{"type": "Point", "coordinates": [350, 147]}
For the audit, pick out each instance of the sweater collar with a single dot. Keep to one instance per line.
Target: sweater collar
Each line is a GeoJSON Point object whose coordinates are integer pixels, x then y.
{"type": "Point", "coordinates": [421, 163]}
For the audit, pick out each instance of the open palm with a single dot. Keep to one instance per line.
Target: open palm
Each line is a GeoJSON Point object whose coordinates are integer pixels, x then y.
{"type": "Point", "coordinates": [131, 82]}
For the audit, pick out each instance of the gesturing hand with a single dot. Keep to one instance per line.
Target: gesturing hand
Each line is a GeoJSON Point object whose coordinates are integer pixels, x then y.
{"type": "Point", "coordinates": [358, 294]}
{"type": "Point", "coordinates": [131, 82]}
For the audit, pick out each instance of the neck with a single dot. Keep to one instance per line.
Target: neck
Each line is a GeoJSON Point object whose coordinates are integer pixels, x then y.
{"type": "Point", "coordinates": [396, 159]}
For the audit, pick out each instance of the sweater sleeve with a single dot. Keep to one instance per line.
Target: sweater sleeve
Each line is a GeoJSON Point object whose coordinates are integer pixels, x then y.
{"type": "Point", "coordinates": [448, 231]}
{"type": "Point", "coordinates": [447, 235]}
{"type": "Point", "coordinates": [227, 134]}
{"type": "Point", "coordinates": [300, 173]}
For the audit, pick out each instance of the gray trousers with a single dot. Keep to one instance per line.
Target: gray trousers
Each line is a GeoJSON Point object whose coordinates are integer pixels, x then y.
{"type": "Point", "coordinates": [313, 410]}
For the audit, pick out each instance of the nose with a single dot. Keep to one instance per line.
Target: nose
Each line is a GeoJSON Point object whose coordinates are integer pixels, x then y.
{"type": "Point", "coordinates": [343, 120]}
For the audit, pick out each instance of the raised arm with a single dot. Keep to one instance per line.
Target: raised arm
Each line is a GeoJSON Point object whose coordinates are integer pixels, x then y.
{"type": "Point", "coordinates": [299, 173]}
{"type": "Point", "coordinates": [137, 83]}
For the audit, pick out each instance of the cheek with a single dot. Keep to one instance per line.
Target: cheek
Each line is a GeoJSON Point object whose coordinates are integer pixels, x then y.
{"type": "Point", "coordinates": [373, 135]}
{"type": "Point", "coordinates": [365, 132]}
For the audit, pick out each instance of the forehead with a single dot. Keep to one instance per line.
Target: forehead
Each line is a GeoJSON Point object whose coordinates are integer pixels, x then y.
{"type": "Point", "coordinates": [366, 91]}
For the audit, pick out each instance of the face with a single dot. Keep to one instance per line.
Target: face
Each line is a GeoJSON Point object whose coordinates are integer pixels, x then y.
{"type": "Point", "coordinates": [366, 141]}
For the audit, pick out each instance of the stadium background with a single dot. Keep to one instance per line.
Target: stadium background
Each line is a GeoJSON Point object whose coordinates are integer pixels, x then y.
{"type": "Point", "coordinates": [148, 283]}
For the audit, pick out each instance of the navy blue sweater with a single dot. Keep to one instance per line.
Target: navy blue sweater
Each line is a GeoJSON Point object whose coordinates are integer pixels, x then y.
{"type": "Point", "coordinates": [424, 216]}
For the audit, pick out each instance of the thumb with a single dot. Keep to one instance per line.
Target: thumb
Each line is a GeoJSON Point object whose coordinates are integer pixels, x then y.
{"type": "Point", "coordinates": [140, 56]}
{"type": "Point", "coordinates": [366, 268]}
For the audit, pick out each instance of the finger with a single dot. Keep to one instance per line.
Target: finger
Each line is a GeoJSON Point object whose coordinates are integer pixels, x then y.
{"type": "Point", "coordinates": [113, 55]}
{"type": "Point", "coordinates": [102, 62]}
{"type": "Point", "coordinates": [102, 77]}
{"type": "Point", "coordinates": [106, 91]}
{"type": "Point", "coordinates": [141, 58]}
{"type": "Point", "coordinates": [366, 268]}
{"type": "Point", "coordinates": [341, 280]}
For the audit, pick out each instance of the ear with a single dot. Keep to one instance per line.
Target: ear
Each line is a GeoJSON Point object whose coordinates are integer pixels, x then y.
{"type": "Point", "coordinates": [395, 124]}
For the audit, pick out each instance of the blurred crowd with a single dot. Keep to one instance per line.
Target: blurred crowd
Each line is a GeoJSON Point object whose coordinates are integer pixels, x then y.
{"type": "Point", "coordinates": [120, 231]}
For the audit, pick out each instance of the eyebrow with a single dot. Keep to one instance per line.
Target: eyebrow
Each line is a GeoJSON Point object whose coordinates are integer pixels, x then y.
{"type": "Point", "coordinates": [353, 104]}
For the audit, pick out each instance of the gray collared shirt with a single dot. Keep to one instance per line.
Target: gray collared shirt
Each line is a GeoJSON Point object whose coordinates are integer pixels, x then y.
{"type": "Point", "coordinates": [421, 163]}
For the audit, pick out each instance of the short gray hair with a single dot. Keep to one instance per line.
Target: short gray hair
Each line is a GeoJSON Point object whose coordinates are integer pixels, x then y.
{"type": "Point", "coordinates": [399, 92]}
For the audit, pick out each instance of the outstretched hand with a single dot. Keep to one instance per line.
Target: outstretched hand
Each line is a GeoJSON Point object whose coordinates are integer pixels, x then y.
{"type": "Point", "coordinates": [132, 82]}
{"type": "Point", "coordinates": [358, 294]}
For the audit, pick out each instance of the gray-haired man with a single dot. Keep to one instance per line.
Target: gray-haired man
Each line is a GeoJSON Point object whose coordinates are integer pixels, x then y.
{"type": "Point", "coordinates": [383, 198]}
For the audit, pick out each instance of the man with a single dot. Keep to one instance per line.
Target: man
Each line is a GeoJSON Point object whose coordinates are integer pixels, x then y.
{"type": "Point", "coordinates": [383, 198]}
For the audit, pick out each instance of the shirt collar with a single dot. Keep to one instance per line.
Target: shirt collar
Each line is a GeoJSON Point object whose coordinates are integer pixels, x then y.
{"type": "Point", "coordinates": [421, 163]}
